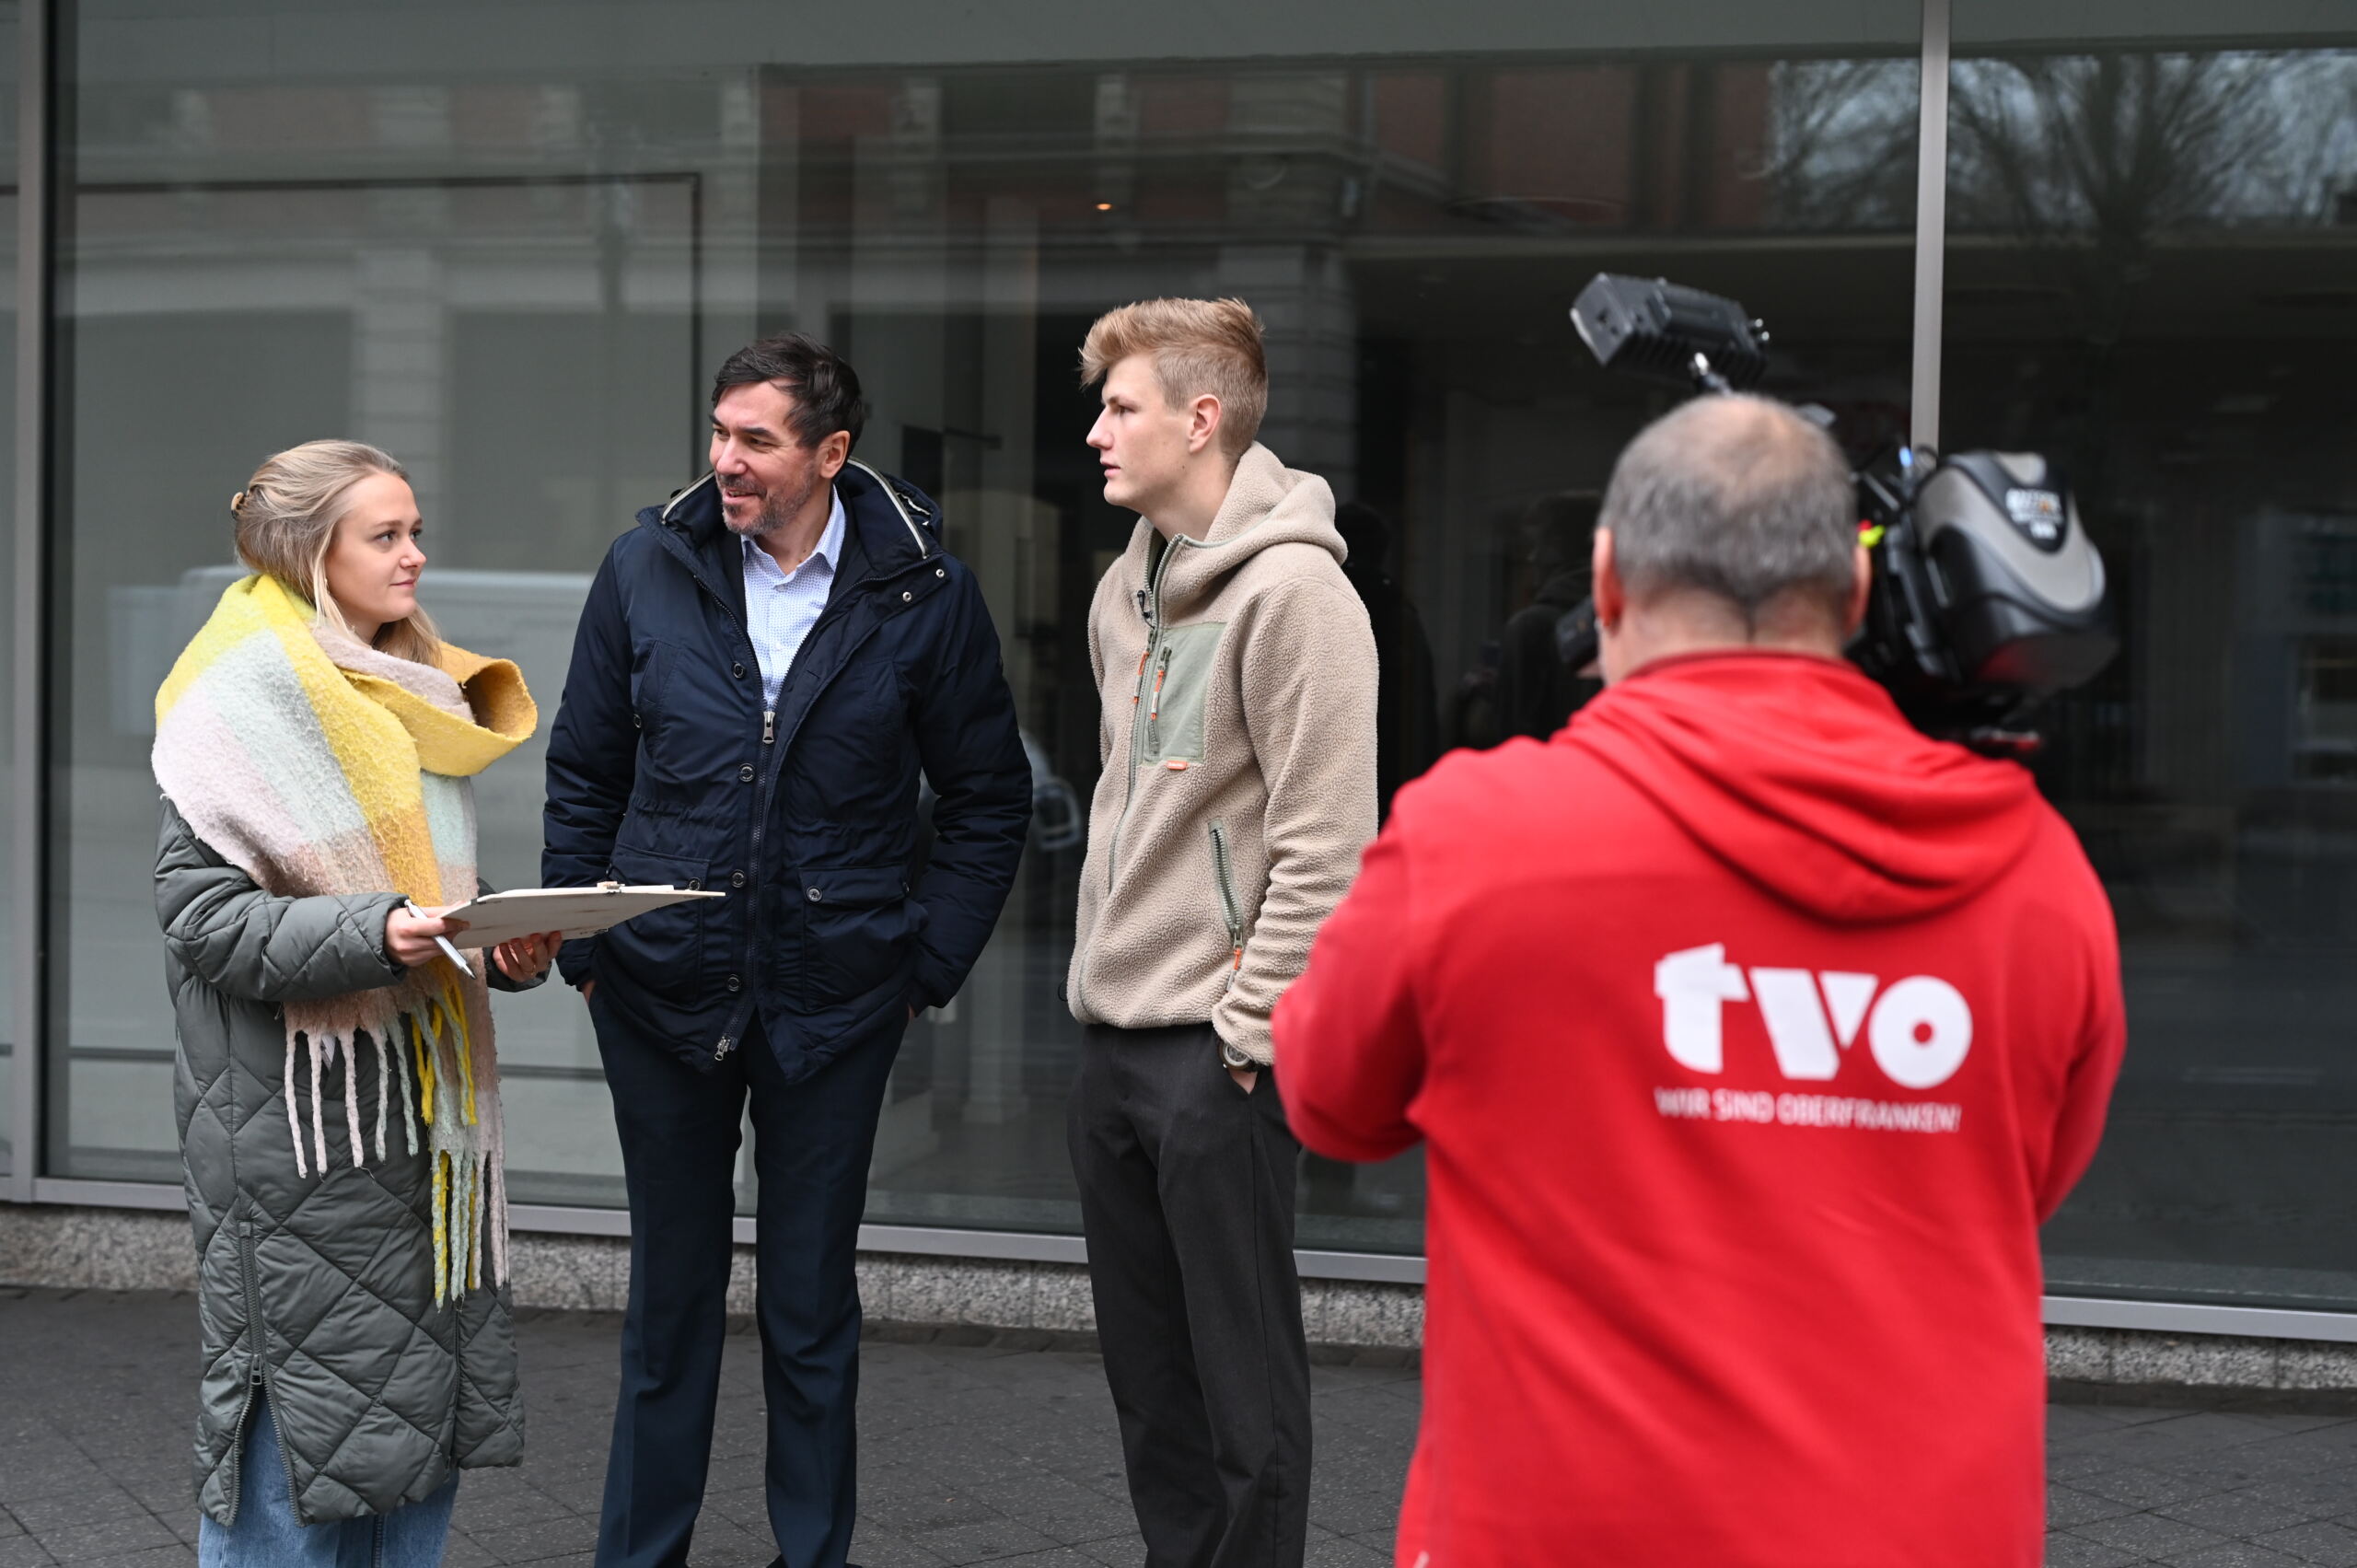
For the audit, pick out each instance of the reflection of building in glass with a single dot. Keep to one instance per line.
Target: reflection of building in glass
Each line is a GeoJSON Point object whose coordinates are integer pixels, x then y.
{"type": "Point", "coordinates": [514, 260]}
{"type": "Point", "coordinates": [2296, 651]}
{"type": "Point", "coordinates": [516, 285]}
{"type": "Point", "coordinates": [2148, 280]}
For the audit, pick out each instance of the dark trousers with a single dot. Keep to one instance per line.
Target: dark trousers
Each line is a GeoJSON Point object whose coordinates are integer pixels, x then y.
{"type": "Point", "coordinates": [1186, 1197]}
{"type": "Point", "coordinates": [811, 1143]}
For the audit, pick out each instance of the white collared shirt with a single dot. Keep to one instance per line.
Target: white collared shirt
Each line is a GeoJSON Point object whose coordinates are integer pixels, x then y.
{"type": "Point", "coordinates": [781, 607]}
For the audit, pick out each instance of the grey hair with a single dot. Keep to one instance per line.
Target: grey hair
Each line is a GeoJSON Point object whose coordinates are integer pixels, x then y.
{"type": "Point", "coordinates": [286, 516]}
{"type": "Point", "coordinates": [1739, 496]}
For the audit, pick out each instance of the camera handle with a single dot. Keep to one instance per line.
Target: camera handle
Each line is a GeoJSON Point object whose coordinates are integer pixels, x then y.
{"type": "Point", "coordinates": [1705, 378]}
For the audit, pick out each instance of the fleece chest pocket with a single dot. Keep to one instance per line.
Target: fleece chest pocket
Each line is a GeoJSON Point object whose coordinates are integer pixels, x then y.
{"type": "Point", "coordinates": [1172, 689]}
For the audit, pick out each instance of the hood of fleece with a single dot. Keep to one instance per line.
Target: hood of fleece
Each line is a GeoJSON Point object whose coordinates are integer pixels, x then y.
{"type": "Point", "coordinates": [1800, 774]}
{"type": "Point", "coordinates": [1268, 505]}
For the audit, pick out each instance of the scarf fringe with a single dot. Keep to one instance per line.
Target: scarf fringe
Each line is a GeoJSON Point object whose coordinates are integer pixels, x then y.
{"type": "Point", "coordinates": [294, 1111]}
{"type": "Point", "coordinates": [398, 1052]}
{"type": "Point", "coordinates": [318, 1127]}
{"type": "Point", "coordinates": [384, 1092]}
{"type": "Point", "coordinates": [455, 1102]}
{"type": "Point", "coordinates": [350, 1050]}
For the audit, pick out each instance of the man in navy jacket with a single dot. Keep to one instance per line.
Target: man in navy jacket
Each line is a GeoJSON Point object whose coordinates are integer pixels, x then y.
{"type": "Point", "coordinates": [763, 668]}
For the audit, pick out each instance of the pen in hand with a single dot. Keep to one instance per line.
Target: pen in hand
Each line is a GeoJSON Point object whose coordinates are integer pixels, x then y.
{"type": "Point", "coordinates": [442, 942]}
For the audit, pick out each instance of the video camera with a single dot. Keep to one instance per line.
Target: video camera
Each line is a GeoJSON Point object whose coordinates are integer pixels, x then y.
{"type": "Point", "coordinates": [1988, 597]}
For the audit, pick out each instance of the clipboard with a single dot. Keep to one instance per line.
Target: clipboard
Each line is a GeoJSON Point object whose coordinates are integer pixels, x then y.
{"type": "Point", "coordinates": [578, 912]}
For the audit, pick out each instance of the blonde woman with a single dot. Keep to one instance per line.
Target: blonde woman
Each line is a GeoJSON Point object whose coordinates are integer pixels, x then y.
{"type": "Point", "coordinates": [337, 1093]}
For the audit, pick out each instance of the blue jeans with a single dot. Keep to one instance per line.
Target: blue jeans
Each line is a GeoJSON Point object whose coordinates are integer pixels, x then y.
{"type": "Point", "coordinates": [266, 1535]}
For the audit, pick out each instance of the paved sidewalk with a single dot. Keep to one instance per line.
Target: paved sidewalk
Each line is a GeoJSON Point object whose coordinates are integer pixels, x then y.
{"type": "Point", "coordinates": [1001, 1450]}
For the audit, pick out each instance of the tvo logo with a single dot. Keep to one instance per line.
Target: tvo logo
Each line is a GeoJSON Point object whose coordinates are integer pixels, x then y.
{"type": "Point", "coordinates": [1919, 1028]}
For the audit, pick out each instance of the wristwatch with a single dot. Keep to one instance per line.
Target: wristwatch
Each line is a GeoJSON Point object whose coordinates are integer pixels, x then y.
{"type": "Point", "coordinates": [1234, 1057]}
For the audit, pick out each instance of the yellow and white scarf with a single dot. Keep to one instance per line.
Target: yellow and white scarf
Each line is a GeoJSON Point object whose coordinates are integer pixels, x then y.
{"type": "Point", "coordinates": [319, 765]}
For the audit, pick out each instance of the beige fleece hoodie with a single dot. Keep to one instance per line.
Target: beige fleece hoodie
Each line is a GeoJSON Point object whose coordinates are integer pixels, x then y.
{"type": "Point", "coordinates": [1237, 684]}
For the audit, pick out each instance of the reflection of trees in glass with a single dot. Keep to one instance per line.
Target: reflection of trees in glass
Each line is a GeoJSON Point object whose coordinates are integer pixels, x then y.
{"type": "Point", "coordinates": [2089, 159]}
{"type": "Point", "coordinates": [1841, 144]}
{"type": "Point", "coordinates": [2120, 147]}
{"type": "Point", "coordinates": [2095, 199]}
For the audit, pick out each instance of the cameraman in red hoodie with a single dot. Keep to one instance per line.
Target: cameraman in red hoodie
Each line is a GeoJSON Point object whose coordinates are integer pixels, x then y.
{"type": "Point", "coordinates": [1750, 1034]}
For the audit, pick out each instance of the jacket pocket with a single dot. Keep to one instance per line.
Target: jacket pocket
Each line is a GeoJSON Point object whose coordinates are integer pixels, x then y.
{"type": "Point", "coordinates": [699, 724]}
{"type": "Point", "coordinates": [661, 951]}
{"type": "Point", "coordinates": [859, 932]}
{"type": "Point", "coordinates": [1172, 693]}
{"type": "Point", "coordinates": [1231, 911]}
{"type": "Point", "coordinates": [649, 667]}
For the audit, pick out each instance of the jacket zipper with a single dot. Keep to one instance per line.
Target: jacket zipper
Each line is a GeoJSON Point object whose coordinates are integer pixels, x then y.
{"type": "Point", "coordinates": [1150, 608]}
{"type": "Point", "coordinates": [760, 818]}
{"type": "Point", "coordinates": [238, 1447]}
{"type": "Point", "coordinates": [1222, 869]}
{"type": "Point", "coordinates": [259, 1377]}
{"type": "Point", "coordinates": [1154, 714]}
{"type": "Point", "coordinates": [253, 1373]}
{"type": "Point", "coordinates": [769, 728]}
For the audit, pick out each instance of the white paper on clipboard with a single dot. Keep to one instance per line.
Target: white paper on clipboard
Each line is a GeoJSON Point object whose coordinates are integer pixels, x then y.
{"type": "Point", "coordinates": [578, 912]}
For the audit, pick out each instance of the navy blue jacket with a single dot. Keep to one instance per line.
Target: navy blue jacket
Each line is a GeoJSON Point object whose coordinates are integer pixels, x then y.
{"type": "Point", "coordinates": [662, 767]}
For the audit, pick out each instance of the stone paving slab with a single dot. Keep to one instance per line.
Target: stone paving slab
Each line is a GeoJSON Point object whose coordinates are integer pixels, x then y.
{"type": "Point", "coordinates": [980, 1447]}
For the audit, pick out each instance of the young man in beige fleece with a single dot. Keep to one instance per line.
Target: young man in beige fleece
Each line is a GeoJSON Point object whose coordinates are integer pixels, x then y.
{"type": "Point", "coordinates": [1237, 677]}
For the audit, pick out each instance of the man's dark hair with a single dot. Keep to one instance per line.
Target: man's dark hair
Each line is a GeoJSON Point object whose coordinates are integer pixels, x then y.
{"type": "Point", "coordinates": [824, 387]}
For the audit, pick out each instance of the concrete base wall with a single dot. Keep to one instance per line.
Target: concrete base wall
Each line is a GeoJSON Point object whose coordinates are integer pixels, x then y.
{"type": "Point", "coordinates": [138, 1250]}
{"type": "Point", "coordinates": [2136, 1358]}
{"type": "Point", "coordinates": [133, 1250]}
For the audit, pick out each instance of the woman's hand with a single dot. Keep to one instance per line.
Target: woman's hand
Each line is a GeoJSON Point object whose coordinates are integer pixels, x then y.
{"type": "Point", "coordinates": [527, 957]}
{"type": "Point", "coordinates": [410, 934]}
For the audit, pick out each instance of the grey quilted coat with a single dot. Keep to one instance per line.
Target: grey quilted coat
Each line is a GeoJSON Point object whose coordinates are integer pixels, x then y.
{"type": "Point", "coordinates": [318, 1290]}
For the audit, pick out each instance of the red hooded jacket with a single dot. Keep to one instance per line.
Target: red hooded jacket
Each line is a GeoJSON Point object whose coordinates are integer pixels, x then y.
{"type": "Point", "coordinates": [1750, 1034]}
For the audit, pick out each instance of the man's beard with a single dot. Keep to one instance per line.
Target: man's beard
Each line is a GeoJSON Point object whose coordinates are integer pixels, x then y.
{"type": "Point", "coordinates": [778, 509]}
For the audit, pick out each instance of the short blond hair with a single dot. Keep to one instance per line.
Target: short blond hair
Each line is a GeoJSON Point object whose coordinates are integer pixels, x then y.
{"type": "Point", "coordinates": [1198, 346]}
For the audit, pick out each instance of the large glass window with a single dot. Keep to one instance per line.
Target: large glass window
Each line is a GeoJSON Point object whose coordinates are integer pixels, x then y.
{"type": "Point", "coordinates": [517, 286]}
{"type": "Point", "coordinates": [517, 275]}
{"type": "Point", "coordinates": [514, 257]}
{"type": "Point", "coordinates": [1413, 230]}
{"type": "Point", "coordinates": [2153, 277]}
